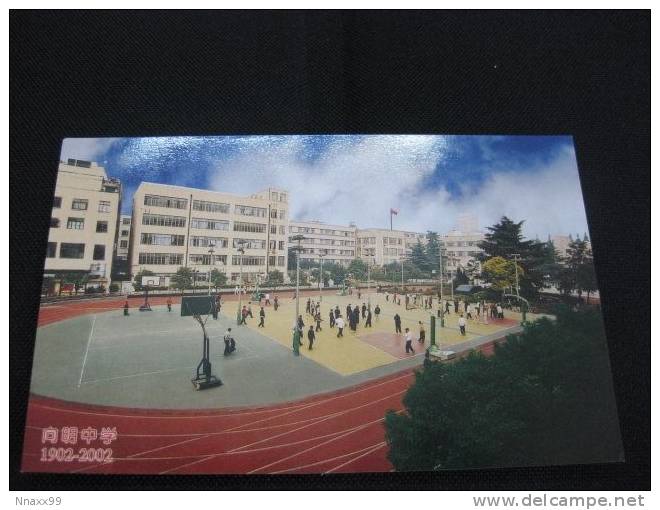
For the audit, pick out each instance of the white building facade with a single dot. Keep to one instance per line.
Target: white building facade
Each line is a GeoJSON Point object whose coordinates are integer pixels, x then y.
{"type": "Point", "coordinates": [83, 222]}
{"type": "Point", "coordinates": [382, 246]}
{"type": "Point", "coordinates": [335, 243]}
{"type": "Point", "coordinates": [175, 226]}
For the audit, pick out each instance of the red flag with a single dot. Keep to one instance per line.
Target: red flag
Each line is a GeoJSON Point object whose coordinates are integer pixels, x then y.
{"type": "Point", "coordinates": [394, 211]}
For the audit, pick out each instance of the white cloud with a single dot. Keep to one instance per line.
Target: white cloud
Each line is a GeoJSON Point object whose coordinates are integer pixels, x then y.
{"type": "Point", "coordinates": [360, 181]}
{"type": "Point", "coordinates": [86, 148]}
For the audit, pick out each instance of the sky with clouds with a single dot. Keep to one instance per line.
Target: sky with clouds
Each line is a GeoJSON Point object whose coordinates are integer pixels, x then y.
{"type": "Point", "coordinates": [430, 179]}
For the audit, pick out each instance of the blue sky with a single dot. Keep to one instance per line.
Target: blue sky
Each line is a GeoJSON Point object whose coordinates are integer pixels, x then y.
{"type": "Point", "coordinates": [337, 179]}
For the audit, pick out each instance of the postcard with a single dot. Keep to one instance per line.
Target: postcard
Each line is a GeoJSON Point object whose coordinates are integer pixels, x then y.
{"type": "Point", "coordinates": [318, 304]}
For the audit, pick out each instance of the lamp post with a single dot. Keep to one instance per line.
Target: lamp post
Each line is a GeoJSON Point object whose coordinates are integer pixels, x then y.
{"type": "Point", "coordinates": [321, 255]}
{"type": "Point", "coordinates": [194, 275]}
{"type": "Point", "coordinates": [442, 276]}
{"type": "Point", "coordinates": [211, 252]}
{"type": "Point", "coordinates": [241, 251]}
{"type": "Point", "coordinates": [296, 333]}
{"type": "Point", "coordinates": [369, 282]}
{"type": "Point", "coordinates": [402, 275]}
{"type": "Point", "coordinates": [516, 257]}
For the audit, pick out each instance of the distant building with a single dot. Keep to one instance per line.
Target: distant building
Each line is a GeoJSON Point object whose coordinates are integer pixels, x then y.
{"type": "Point", "coordinates": [461, 248]}
{"type": "Point", "coordinates": [561, 243]}
{"type": "Point", "coordinates": [83, 224]}
{"type": "Point", "coordinates": [335, 242]}
{"type": "Point", "coordinates": [175, 226]}
{"type": "Point", "coordinates": [123, 236]}
{"type": "Point", "coordinates": [382, 246]}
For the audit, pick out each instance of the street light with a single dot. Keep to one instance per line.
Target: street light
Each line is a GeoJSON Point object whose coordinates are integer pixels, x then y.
{"type": "Point", "coordinates": [211, 252]}
{"type": "Point", "coordinates": [516, 257]}
{"type": "Point", "coordinates": [297, 334]}
{"type": "Point", "coordinates": [321, 255]}
{"type": "Point", "coordinates": [442, 275]}
{"type": "Point", "coordinates": [369, 281]}
{"type": "Point", "coordinates": [241, 251]}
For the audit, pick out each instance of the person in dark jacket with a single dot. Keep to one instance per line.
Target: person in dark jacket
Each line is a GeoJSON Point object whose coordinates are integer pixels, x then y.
{"type": "Point", "coordinates": [317, 319]}
{"type": "Point", "coordinates": [364, 310]}
{"type": "Point", "coordinates": [367, 324]}
{"type": "Point", "coordinates": [397, 323]}
{"type": "Point", "coordinates": [262, 317]}
{"type": "Point", "coordinates": [332, 319]}
{"type": "Point", "coordinates": [311, 336]}
{"type": "Point", "coordinates": [377, 312]}
{"type": "Point", "coordinates": [337, 312]}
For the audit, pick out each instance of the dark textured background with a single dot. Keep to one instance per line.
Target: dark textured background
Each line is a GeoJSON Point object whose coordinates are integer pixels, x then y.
{"type": "Point", "coordinates": [179, 73]}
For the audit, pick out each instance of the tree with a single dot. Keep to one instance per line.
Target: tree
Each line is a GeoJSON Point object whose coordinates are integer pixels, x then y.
{"type": "Point", "coordinates": [461, 278]}
{"type": "Point", "coordinates": [544, 398]}
{"type": "Point", "coordinates": [275, 278]}
{"type": "Point", "coordinates": [137, 279]}
{"type": "Point", "coordinates": [336, 272]}
{"type": "Point", "coordinates": [501, 273]}
{"type": "Point", "coordinates": [218, 279]}
{"type": "Point", "coordinates": [182, 279]}
{"type": "Point", "coordinates": [418, 256]}
{"type": "Point", "coordinates": [472, 270]}
{"type": "Point", "coordinates": [504, 240]}
{"type": "Point", "coordinates": [432, 252]}
{"type": "Point", "coordinates": [358, 268]}
{"type": "Point", "coordinates": [580, 274]}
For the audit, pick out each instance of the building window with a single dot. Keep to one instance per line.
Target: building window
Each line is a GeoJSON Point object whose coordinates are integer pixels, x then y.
{"type": "Point", "coordinates": [273, 229]}
{"type": "Point", "coordinates": [101, 226]}
{"type": "Point", "coordinates": [51, 250]}
{"type": "Point", "coordinates": [163, 239]}
{"type": "Point", "coordinates": [72, 251]}
{"type": "Point", "coordinates": [75, 223]}
{"type": "Point", "coordinates": [160, 201]}
{"type": "Point", "coordinates": [274, 196]}
{"type": "Point", "coordinates": [282, 230]}
{"type": "Point", "coordinates": [163, 221]}
{"type": "Point", "coordinates": [248, 260]}
{"type": "Point", "coordinates": [240, 226]}
{"type": "Point", "coordinates": [246, 210]}
{"type": "Point", "coordinates": [280, 245]}
{"type": "Point", "coordinates": [271, 260]}
{"type": "Point", "coordinates": [205, 260]}
{"type": "Point", "coordinates": [214, 207]}
{"type": "Point", "coordinates": [57, 202]}
{"type": "Point", "coordinates": [54, 223]}
{"type": "Point", "coordinates": [163, 259]}
{"type": "Point", "coordinates": [280, 261]}
{"type": "Point", "coordinates": [124, 233]}
{"type": "Point", "coordinates": [273, 214]}
{"type": "Point", "coordinates": [205, 242]}
{"type": "Point", "coordinates": [209, 224]}
{"type": "Point", "coordinates": [123, 244]}
{"type": "Point", "coordinates": [250, 244]}
{"type": "Point", "coordinates": [125, 221]}
{"type": "Point", "coordinates": [104, 206]}
{"type": "Point", "coordinates": [99, 252]}
{"type": "Point", "coordinates": [79, 204]}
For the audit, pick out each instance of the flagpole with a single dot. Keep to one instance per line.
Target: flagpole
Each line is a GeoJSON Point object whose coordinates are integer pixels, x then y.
{"type": "Point", "coordinates": [390, 219]}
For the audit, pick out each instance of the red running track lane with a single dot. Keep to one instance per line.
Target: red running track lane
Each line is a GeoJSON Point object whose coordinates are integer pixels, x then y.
{"type": "Point", "coordinates": [336, 432]}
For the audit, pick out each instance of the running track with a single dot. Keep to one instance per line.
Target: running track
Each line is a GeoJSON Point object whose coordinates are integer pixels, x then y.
{"type": "Point", "coordinates": [328, 433]}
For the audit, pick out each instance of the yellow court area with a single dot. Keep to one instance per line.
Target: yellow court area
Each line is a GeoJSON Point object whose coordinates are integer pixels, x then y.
{"type": "Point", "coordinates": [362, 350]}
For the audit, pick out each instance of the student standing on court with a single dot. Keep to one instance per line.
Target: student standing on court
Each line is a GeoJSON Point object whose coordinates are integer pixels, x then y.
{"type": "Point", "coordinates": [422, 333]}
{"type": "Point", "coordinates": [126, 308]}
{"type": "Point", "coordinates": [262, 317]}
{"type": "Point", "coordinates": [397, 323]}
{"type": "Point", "coordinates": [249, 310]}
{"type": "Point", "coordinates": [337, 312]}
{"type": "Point", "coordinates": [377, 312]}
{"type": "Point", "coordinates": [311, 336]}
{"type": "Point", "coordinates": [500, 311]}
{"type": "Point", "coordinates": [364, 310]}
{"type": "Point", "coordinates": [318, 320]}
{"type": "Point", "coordinates": [356, 314]}
{"type": "Point", "coordinates": [244, 314]}
{"type": "Point", "coordinates": [340, 326]}
{"type": "Point", "coordinates": [267, 299]}
{"type": "Point", "coordinates": [332, 319]}
{"type": "Point", "coordinates": [461, 324]}
{"type": "Point", "coordinates": [409, 347]}
{"type": "Point", "coordinates": [230, 344]}
{"type": "Point", "coordinates": [276, 303]}
{"type": "Point", "coordinates": [367, 324]}
{"type": "Point", "coordinates": [169, 304]}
